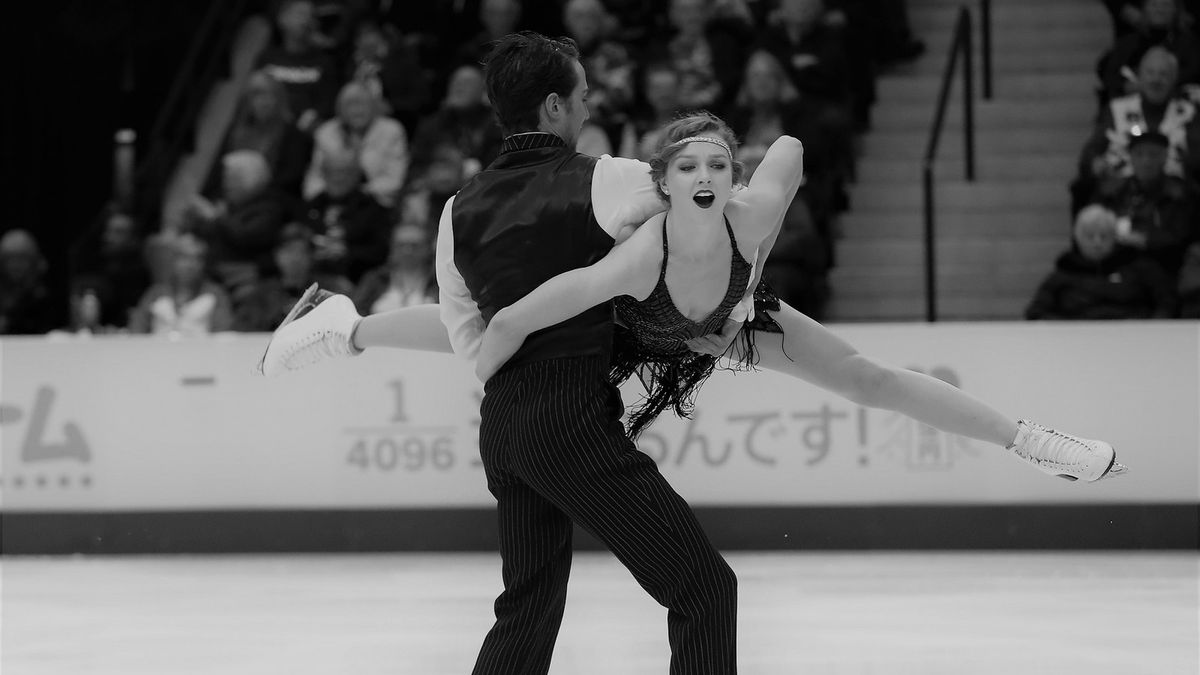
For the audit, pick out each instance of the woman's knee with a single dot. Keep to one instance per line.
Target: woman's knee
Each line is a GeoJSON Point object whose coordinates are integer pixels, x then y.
{"type": "Point", "coordinates": [869, 383]}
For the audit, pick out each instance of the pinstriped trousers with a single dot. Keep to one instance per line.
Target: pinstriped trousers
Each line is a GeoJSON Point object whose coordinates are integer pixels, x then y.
{"type": "Point", "coordinates": [555, 453]}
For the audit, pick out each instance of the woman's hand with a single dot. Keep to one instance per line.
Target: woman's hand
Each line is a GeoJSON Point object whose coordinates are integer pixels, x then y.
{"type": "Point", "coordinates": [717, 343]}
{"type": "Point", "coordinates": [500, 342]}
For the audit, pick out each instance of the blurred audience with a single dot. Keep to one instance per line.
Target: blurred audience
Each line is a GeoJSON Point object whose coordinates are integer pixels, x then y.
{"type": "Point", "coordinates": [378, 141]}
{"type": "Point", "coordinates": [464, 119]}
{"type": "Point", "coordinates": [1159, 24]}
{"type": "Point", "coordinates": [293, 271]}
{"type": "Point", "coordinates": [769, 106]}
{"type": "Point", "coordinates": [1189, 283]}
{"type": "Point", "coordinates": [26, 305]}
{"type": "Point", "coordinates": [350, 227]}
{"type": "Point", "coordinates": [813, 54]}
{"type": "Point", "coordinates": [1099, 279]}
{"type": "Point", "coordinates": [241, 227]}
{"type": "Point", "coordinates": [659, 104]}
{"type": "Point", "coordinates": [408, 277]}
{"type": "Point", "coordinates": [308, 74]}
{"type": "Point", "coordinates": [1156, 107]}
{"type": "Point", "coordinates": [189, 303]}
{"type": "Point", "coordinates": [264, 123]}
{"type": "Point", "coordinates": [609, 65]}
{"type": "Point", "coordinates": [389, 65]}
{"type": "Point", "coordinates": [1154, 211]}
{"type": "Point", "coordinates": [108, 273]}
{"type": "Point", "coordinates": [707, 49]}
{"type": "Point", "coordinates": [496, 18]}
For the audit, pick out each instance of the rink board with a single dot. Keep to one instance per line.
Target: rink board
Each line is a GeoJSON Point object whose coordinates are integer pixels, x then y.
{"type": "Point", "coordinates": [161, 439]}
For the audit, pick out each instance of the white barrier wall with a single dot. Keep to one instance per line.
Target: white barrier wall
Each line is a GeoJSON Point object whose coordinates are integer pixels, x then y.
{"type": "Point", "coordinates": [149, 424]}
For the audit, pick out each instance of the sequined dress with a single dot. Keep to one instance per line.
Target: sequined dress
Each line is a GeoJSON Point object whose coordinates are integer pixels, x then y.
{"type": "Point", "coordinates": [651, 341]}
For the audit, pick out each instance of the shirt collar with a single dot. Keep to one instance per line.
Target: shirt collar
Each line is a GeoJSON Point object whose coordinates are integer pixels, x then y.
{"type": "Point", "coordinates": [530, 141]}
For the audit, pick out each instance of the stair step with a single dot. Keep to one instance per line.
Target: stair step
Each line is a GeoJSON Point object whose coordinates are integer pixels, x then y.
{"type": "Point", "coordinates": [949, 223]}
{"type": "Point", "coordinates": [909, 252]}
{"type": "Point", "coordinates": [1009, 16]}
{"type": "Point", "coordinates": [924, 87]}
{"type": "Point", "coordinates": [912, 308]}
{"type": "Point", "coordinates": [884, 170]}
{"type": "Point", "coordinates": [1068, 114]}
{"type": "Point", "coordinates": [960, 281]}
{"type": "Point", "coordinates": [977, 196]}
{"type": "Point", "coordinates": [996, 142]}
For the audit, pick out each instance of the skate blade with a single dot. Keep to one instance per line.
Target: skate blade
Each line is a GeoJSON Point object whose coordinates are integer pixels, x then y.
{"type": "Point", "coordinates": [1117, 469]}
{"type": "Point", "coordinates": [308, 300]}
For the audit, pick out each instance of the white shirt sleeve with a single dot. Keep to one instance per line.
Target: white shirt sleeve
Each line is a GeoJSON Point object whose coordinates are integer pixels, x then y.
{"type": "Point", "coordinates": [623, 194]}
{"type": "Point", "coordinates": [464, 324]}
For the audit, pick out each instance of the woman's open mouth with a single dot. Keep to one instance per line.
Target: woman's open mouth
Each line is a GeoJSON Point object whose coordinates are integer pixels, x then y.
{"type": "Point", "coordinates": [704, 198]}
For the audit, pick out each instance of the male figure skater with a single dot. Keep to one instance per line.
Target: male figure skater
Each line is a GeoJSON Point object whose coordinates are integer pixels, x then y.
{"type": "Point", "coordinates": [551, 439]}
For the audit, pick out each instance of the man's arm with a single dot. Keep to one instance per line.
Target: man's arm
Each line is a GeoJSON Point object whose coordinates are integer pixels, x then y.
{"type": "Point", "coordinates": [623, 196]}
{"type": "Point", "coordinates": [459, 313]}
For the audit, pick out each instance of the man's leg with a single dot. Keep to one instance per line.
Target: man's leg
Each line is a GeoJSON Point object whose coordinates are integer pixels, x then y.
{"type": "Point", "coordinates": [570, 447]}
{"type": "Point", "coordinates": [535, 545]}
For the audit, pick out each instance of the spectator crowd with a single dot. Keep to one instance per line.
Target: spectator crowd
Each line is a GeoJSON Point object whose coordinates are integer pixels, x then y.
{"type": "Point", "coordinates": [1135, 245]}
{"type": "Point", "coordinates": [361, 118]}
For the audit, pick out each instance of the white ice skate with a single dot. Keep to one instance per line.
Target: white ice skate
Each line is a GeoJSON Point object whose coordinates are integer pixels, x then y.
{"type": "Point", "coordinates": [317, 328]}
{"type": "Point", "coordinates": [1060, 454]}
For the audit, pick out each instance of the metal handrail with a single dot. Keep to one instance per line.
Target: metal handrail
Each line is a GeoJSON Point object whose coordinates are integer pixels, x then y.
{"type": "Point", "coordinates": [173, 132]}
{"type": "Point", "coordinates": [960, 44]}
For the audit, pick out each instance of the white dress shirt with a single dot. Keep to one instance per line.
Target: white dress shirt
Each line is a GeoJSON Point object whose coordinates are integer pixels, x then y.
{"type": "Point", "coordinates": [622, 194]}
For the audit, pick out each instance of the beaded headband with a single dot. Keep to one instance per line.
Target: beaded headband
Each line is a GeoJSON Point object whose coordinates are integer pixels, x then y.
{"type": "Point", "coordinates": [705, 139]}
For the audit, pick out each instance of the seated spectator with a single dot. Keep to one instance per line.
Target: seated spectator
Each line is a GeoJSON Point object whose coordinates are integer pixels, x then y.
{"type": "Point", "coordinates": [1154, 210]}
{"type": "Point", "coordinates": [107, 268]}
{"type": "Point", "coordinates": [264, 123]}
{"type": "Point", "coordinates": [1097, 279]}
{"type": "Point", "coordinates": [768, 106]}
{"type": "Point", "coordinates": [660, 103]}
{"type": "Point", "coordinates": [378, 141]}
{"type": "Point", "coordinates": [242, 226]}
{"type": "Point", "coordinates": [1161, 27]}
{"type": "Point", "coordinates": [799, 264]}
{"type": "Point", "coordinates": [1189, 284]}
{"type": "Point", "coordinates": [812, 53]}
{"type": "Point", "coordinates": [706, 49]}
{"type": "Point", "coordinates": [608, 64]}
{"type": "Point", "coordinates": [190, 304]}
{"type": "Point", "coordinates": [351, 228]}
{"type": "Point", "coordinates": [26, 304]}
{"type": "Point", "coordinates": [390, 67]}
{"type": "Point", "coordinates": [307, 73]}
{"type": "Point", "coordinates": [265, 306]}
{"type": "Point", "coordinates": [435, 182]}
{"type": "Point", "coordinates": [497, 18]}
{"type": "Point", "coordinates": [407, 279]}
{"type": "Point", "coordinates": [1155, 107]}
{"type": "Point", "coordinates": [463, 119]}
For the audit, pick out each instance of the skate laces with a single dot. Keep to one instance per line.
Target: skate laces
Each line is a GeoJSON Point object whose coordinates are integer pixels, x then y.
{"type": "Point", "coordinates": [1054, 447]}
{"type": "Point", "coordinates": [317, 346]}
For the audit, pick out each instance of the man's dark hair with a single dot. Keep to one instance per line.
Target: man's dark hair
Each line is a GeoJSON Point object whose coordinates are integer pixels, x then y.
{"type": "Point", "coordinates": [522, 70]}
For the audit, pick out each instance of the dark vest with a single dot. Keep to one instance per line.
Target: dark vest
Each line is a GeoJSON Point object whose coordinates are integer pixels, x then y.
{"type": "Point", "coordinates": [523, 220]}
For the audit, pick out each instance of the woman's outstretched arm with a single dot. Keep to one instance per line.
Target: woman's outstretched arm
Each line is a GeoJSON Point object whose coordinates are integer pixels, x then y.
{"type": "Point", "coordinates": [631, 268]}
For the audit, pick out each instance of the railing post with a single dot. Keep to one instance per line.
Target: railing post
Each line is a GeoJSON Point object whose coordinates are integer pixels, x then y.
{"type": "Point", "coordinates": [986, 20]}
{"type": "Point", "coordinates": [930, 256]}
{"type": "Point", "coordinates": [968, 96]}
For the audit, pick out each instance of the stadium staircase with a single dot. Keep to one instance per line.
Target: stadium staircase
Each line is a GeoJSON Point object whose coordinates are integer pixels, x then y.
{"type": "Point", "coordinates": [998, 236]}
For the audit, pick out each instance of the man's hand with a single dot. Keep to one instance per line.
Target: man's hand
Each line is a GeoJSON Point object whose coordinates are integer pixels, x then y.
{"type": "Point", "coordinates": [717, 343]}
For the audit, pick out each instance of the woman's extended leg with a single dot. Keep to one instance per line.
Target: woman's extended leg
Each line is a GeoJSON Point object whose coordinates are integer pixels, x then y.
{"type": "Point", "coordinates": [824, 359]}
{"type": "Point", "coordinates": [325, 325]}
{"type": "Point", "coordinates": [811, 352]}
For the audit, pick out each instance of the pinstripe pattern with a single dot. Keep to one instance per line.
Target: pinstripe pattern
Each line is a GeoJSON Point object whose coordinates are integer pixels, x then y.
{"type": "Point", "coordinates": [555, 452]}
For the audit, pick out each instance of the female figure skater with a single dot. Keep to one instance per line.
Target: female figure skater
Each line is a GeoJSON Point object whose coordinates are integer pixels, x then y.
{"type": "Point", "coordinates": [683, 283]}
